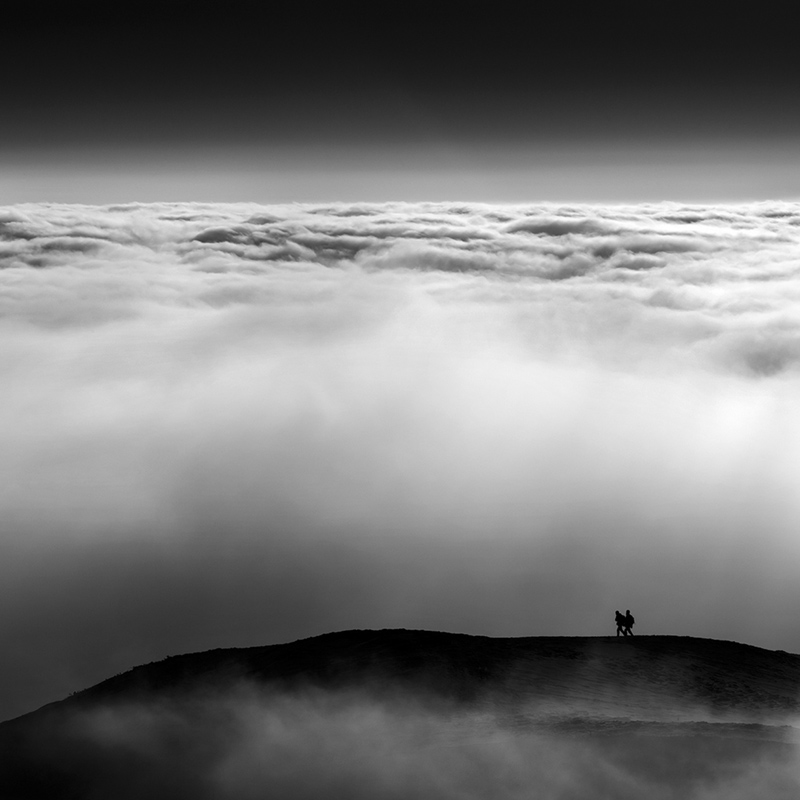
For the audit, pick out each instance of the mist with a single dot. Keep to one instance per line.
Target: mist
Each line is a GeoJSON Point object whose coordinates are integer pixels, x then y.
{"type": "Point", "coordinates": [228, 425]}
{"type": "Point", "coordinates": [249, 742]}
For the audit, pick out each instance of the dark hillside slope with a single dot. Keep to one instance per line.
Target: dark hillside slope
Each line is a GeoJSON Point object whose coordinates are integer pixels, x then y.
{"type": "Point", "coordinates": [147, 730]}
{"type": "Point", "coordinates": [720, 676]}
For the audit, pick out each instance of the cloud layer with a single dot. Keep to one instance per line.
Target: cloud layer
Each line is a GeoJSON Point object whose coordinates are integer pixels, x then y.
{"type": "Point", "coordinates": [232, 425]}
{"type": "Point", "coordinates": [248, 744]}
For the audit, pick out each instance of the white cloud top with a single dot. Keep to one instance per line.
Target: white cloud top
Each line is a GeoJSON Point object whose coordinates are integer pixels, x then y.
{"type": "Point", "coordinates": [698, 276]}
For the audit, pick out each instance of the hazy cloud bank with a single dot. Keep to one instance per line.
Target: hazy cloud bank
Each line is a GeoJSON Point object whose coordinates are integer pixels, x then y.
{"type": "Point", "coordinates": [248, 743]}
{"type": "Point", "coordinates": [228, 425]}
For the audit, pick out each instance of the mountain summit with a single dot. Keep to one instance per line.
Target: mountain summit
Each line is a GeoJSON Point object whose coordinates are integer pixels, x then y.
{"type": "Point", "coordinates": [402, 713]}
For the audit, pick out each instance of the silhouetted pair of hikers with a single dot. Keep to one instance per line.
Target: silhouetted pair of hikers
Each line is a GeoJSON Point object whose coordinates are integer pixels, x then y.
{"type": "Point", "coordinates": [624, 624]}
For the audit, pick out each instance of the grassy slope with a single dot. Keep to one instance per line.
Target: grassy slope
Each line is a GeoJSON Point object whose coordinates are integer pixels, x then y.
{"type": "Point", "coordinates": [597, 672]}
{"type": "Point", "coordinates": [628, 693]}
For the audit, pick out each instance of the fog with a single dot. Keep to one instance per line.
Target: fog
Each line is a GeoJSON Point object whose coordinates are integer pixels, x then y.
{"type": "Point", "coordinates": [229, 425]}
{"type": "Point", "coordinates": [248, 743]}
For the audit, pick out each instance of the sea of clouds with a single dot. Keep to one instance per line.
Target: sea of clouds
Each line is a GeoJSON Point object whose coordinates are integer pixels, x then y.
{"type": "Point", "coordinates": [235, 424]}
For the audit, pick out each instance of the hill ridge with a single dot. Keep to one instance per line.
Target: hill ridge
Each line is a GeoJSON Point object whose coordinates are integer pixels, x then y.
{"type": "Point", "coordinates": [462, 666]}
{"type": "Point", "coordinates": [349, 698]}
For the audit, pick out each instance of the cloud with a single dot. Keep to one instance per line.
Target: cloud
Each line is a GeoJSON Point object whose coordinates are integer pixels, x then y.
{"type": "Point", "coordinates": [230, 424]}
{"type": "Point", "coordinates": [248, 743]}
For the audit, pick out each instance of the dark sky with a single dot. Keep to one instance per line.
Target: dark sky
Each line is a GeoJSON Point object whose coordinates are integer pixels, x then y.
{"type": "Point", "coordinates": [110, 86]}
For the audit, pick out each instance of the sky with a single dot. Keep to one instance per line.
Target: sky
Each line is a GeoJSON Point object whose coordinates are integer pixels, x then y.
{"type": "Point", "coordinates": [426, 101]}
{"type": "Point", "coordinates": [228, 425]}
{"type": "Point", "coordinates": [439, 315]}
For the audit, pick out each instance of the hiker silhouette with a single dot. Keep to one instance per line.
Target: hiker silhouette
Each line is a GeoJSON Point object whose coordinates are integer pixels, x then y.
{"type": "Point", "coordinates": [629, 620]}
{"type": "Point", "coordinates": [620, 620]}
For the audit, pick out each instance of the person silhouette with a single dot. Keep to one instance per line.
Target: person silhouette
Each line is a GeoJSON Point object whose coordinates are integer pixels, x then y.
{"type": "Point", "coordinates": [629, 620]}
{"type": "Point", "coordinates": [620, 620]}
